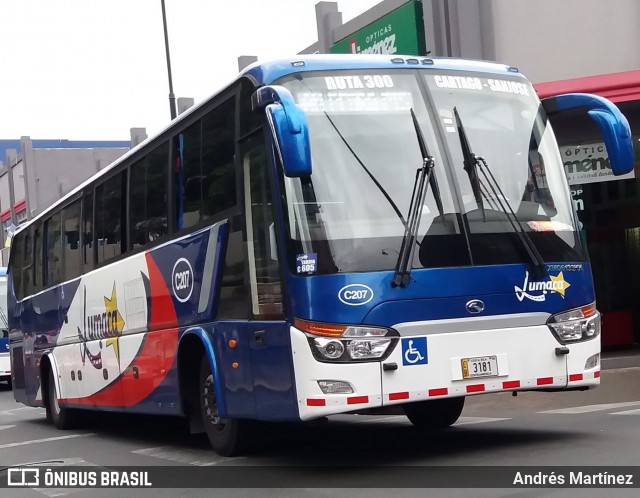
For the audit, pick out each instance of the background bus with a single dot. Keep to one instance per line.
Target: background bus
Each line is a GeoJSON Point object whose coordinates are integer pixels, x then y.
{"type": "Point", "coordinates": [326, 234]}
{"type": "Point", "coordinates": [5, 362]}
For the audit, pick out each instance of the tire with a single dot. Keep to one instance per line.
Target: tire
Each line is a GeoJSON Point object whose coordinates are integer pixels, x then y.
{"type": "Point", "coordinates": [434, 414]}
{"type": "Point", "coordinates": [227, 437]}
{"type": "Point", "coordinates": [62, 418]}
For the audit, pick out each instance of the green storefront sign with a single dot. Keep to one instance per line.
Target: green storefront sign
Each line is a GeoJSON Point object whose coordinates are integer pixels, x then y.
{"type": "Point", "coordinates": [401, 32]}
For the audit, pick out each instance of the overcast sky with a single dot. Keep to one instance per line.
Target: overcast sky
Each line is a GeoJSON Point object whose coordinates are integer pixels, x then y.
{"type": "Point", "coordinates": [93, 69]}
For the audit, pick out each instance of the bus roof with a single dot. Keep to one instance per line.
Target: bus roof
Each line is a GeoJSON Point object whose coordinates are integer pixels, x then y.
{"type": "Point", "coordinates": [265, 73]}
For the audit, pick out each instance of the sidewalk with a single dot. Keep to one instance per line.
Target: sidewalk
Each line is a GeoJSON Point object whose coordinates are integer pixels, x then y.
{"type": "Point", "coordinates": [621, 358]}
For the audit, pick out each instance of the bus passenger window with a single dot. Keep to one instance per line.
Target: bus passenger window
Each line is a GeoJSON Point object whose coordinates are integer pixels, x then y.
{"type": "Point", "coordinates": [38, 256]}
{"type": "Point", "coordinates": [110, 217]}
{"type": "Point", "coordinates": [188, 177]}
{"type": "Point", "coordinates": [148, 202]}
{"type": "Point", "coordinates": [218, 168]}
{"type": "Point", "coordinates": [17, 256]}
{"type": "Point", "coordinates": [87, 232]}
{"type": "Point", "coordinates": [53, 229]}
{"type": "Point", "coordinates": [71, 239]}
{"type": "Point", "coordinates": [204, 173]}
{"type": "Point", "coordinates": [27, 268]}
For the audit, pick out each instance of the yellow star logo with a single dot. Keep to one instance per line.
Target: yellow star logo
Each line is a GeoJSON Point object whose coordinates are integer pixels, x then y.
{"type": "Point", "coordinates": [116, 323]}
{"type": "Point", "coordinates": [559, 283]}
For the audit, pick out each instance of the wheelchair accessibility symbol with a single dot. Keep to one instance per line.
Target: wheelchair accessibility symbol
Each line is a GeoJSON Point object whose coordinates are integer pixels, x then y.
{"type": "Point", "coordinates": [414, 351]}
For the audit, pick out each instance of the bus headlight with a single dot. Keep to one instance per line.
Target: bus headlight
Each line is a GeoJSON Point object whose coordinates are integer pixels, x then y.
{"type": "Point", "coordinates": [579, 324]}
{"type": "Point", "coordinates": [348, 343]}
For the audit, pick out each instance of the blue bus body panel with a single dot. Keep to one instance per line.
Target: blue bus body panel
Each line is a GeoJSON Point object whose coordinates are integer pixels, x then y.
{"type": "Point", "coordinates": [438, 293]}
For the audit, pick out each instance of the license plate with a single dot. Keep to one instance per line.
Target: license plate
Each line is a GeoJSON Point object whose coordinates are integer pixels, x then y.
{"type": "Point", "coordinates": [480, 366]}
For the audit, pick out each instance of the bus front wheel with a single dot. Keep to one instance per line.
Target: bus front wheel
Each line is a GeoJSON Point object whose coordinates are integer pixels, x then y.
{"type": "Point", "coordinates": [226, 436]}
{"type": "Point", "coordinates": [62, 417]}
{"type": "Point", "coordinates": [434, 414]}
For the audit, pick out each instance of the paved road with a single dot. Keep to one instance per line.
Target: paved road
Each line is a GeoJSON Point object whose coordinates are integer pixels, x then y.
{"type": "Point", "coordinates": [598, 427]}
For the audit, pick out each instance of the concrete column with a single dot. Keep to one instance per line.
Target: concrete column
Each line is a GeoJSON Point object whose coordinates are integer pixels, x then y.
{"type": "Point", "coordinates": [246, 60]}
{"type": "Point", "coordinates": [12, 159]}
{"type": "Point", "coordinates": [184, 103]}
{"type": "Point", "coordinates": [138, 135]}
{"type": "Point", "coordinates": [328, 18]}
{"type": "Point", "coordinates": [30, 176]}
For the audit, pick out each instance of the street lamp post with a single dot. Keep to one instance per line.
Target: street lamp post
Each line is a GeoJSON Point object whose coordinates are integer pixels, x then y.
{"type": "Point", "coordinates": [172, 97]}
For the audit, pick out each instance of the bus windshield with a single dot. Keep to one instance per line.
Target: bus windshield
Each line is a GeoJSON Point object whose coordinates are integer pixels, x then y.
{"type": "Point", "coordinates": [352, 211]}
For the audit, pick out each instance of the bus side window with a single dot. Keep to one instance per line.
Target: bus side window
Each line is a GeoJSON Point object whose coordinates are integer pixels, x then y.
{"type": "Point", "coordinates": [38, 280]}
{"type": "Point", "coordinates": [87, 233]}
{"type": "Point", "coordinates": [17, 257]}
{"type": "Point", "coordinates": [110, 218]}
{"type": "Point", "coordinates": [218, 168]}
{"type": "Point", "coordinates": [71, 236]}
{"type": "Point", "coordinates": [53, 230]}
{"type": "Point", "coordinates": [148, 203]}
{"type": "Point", "coordinates": [27, 268]}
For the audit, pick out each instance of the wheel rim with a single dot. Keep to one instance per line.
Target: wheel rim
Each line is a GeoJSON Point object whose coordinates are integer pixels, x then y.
{"type": "Point", "coordinates": [210, 404]}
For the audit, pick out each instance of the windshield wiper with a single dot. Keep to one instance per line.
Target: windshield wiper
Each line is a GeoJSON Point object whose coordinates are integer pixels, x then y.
{"type": "Point", "coordinates": [424, 176]}
{"type": "Point", "coordinates": [472, 164]}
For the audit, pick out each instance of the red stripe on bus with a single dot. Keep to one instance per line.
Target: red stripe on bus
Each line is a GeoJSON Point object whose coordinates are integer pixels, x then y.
{"type": "Point", "coordinates": [575, 377]}
{"type": "Point", "coordinates": [355, 400]}
{"type": "Point", "coordinates": [510, 384]}
{"type": "Point", "coordinates": [439, 392]}
{"type": "Point", "coordinates": [543, 381]}
{"type": "Point", "coordinates": [396, 396]}
{"type": "Point", "coordinates": [316, 402]}
{"type": "Point", "coordinates": [475, 388]}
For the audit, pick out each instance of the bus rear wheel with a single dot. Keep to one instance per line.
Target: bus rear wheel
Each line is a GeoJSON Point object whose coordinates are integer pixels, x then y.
{"type": "Point", "coordinates": [434, 414]}
{"type": "Point", "coordinates": [226, 436]}
{"type": "Point", "coordinates": [62, 417]}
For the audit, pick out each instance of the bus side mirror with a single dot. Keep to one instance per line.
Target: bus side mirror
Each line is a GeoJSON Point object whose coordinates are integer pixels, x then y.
{"type": "Point", "coordinates": [288, 124]}
{"type": "Point", "coordinates": [612, 124]}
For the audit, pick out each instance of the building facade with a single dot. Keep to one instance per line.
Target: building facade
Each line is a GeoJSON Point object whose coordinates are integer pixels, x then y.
{"type": "Point", "coordinates": [36, 173]}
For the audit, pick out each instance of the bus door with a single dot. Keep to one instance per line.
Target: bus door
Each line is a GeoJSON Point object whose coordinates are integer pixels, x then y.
{"type": "Point", "coordinates": [268, 332]}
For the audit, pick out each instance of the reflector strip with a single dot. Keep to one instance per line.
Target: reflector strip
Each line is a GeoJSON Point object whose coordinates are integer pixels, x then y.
{"type": "Point", "coordinates": [575, 377]}
{"type": "Point", "coordinates": [439, 392]}
{"type": "Point", "coordinates": [510, 384]}
{"type": "Point", "coordinates": [316, 402]}
{"type": "Point", "coordinates": [475, 388]}
{"type": "Point", "coordinates": [396, 396]}
{"type": "Point", "coordinates": [596, 374]}
{"type": "Point", "coordinates": [543, 381]}
{"type": "Point", "coordinates": [355, 400]}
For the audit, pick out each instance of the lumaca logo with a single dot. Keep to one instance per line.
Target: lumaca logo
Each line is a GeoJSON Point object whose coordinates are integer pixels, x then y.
{"type": "Point", "coordinates": [537, 291]}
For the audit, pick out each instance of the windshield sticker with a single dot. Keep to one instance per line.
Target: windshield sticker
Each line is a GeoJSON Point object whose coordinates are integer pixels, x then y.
{"type": "Point", "coordinates": [565, 267]}
{"type": "Point", "coordinates": [361, 101]}
{"type": "Point", "coordinates": [537, 291]}
{"type": "Point", "coordinates": [459, 82]}
{"type": "Point", "coordinates": [548, 226]}
{"type": "Point", "coordinates": [307, 263]}
{"type": "Point", "coordinates": [355, 294]}
{"type": "Point", "coordinates": [358, 82]}
{"type": "Point", "coordinates": [471, 83]}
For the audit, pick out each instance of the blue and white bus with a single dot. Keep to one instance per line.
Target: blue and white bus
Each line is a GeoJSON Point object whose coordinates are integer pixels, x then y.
{"type": "Point", "coordinates": [325, 235]}
{"type": "Point", "coordinates": [5, 362]}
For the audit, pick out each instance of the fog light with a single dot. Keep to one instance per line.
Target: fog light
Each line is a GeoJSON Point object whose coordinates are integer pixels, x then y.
{"type": "Point", "coordinates": [592, 361]}
{"type": "Point", "coordinates": [329, 348]}
{"type": "Point", "coordinates": [335, 387]}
